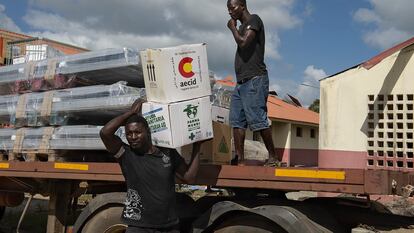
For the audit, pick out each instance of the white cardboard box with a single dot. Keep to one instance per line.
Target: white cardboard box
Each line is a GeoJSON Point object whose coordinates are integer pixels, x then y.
{"type": "Point", "coordinates": [176, 74]}
{"type": "Point", "coordinates": [221, 115]}
{"type": "Point", "coordinates": [177, 124]}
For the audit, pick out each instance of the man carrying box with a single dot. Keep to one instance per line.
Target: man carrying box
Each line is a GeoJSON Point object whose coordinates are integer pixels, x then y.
{"type": "Point", "coordinates": [149, 173]}
{"type": "Point", "coordinates": [248, 102]}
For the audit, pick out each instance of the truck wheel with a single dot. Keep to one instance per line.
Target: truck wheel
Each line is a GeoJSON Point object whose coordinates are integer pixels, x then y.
{"type": "Point", "coordinates": [247, 223]}
{"type": "Point", "coordinates": [107, 220]}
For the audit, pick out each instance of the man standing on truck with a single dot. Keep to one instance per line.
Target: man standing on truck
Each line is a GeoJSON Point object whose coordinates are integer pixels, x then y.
{"type": "Point", "coordinates": [248, 102]}
{"type": "Point", "coordinates": [149, 173]}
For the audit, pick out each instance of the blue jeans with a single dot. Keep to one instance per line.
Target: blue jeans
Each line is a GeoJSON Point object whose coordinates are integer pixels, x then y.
{"type": "Point", "coordinates": [248, 105]}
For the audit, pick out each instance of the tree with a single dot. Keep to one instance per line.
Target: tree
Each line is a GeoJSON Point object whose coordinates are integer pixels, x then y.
{"type": "Point", "coordinates": [314, 106]}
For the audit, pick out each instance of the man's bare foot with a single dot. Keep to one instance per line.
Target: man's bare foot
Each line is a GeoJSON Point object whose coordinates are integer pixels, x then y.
{"type": "Point", "coordinates": [272, 162]}
{"type": "Point", "coordinates": [241, 163]}
{"type": "Point", "coordinates": [237, 161]}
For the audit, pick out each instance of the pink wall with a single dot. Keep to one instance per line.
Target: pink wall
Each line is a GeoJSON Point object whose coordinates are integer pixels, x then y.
{"type": "Point", "coordinates": [305, 157]}
{"type": "Point", "coordinates": [342, 159]}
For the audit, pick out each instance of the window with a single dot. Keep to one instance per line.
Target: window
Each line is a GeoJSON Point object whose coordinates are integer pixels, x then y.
{"type": "Point", "coordinates": [313, 133]}
{"type": "Point", "coordinates": [298, 132]}
{"type": "Point", "coordinates": [390, 131]}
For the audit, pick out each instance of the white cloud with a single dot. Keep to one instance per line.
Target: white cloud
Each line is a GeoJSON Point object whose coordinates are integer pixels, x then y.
{"type": "Point", "coordinates": [387, 22]}
{"type": "Point", "coordinates": [305, 93]}
{"type": "Point", "coordinates": [6, 22]}
{"type": "Point", "coordinates": [385, 38]}
{"type": "Point", "coordinates": [366, 16]}
{"type": "Point", "coordinates": [97, 24]}
{"type": "Point", "coordinates": [309, 91]}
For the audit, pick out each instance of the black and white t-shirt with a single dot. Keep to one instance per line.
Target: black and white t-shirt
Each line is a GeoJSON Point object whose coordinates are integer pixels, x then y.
{"type": "Point", "coordinates": [150, 180]}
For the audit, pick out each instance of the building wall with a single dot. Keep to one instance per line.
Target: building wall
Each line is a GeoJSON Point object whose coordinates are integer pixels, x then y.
{"type": "Point", "coordinates": [66, 49]}
{"type": "Point", "coordinates": [304, 146]}
{"type": "Point", "coordinates": [292, 149]}
{"type": "Point", "coordinates": [304, 140]}
{"type": "Point", "coordinates": [281, 134]}
{"type": "Point", "coordinates": [346, 121]}
{"type": "Point", "coordinates": [5, 37]}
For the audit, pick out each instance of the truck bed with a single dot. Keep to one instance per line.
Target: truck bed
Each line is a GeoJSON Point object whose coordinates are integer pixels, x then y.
{"type": "Point", "coordinates": [352, 181]}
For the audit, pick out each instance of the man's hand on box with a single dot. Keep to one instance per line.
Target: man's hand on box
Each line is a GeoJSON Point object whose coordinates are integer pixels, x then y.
{"type": "Point", "coordinates": [137, 106]}
{"type": "Point", "coordinates": [197, 145]}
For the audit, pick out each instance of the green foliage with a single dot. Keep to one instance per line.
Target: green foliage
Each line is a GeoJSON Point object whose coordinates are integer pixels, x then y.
{"type": "Point", "coordinates": [314, 106]}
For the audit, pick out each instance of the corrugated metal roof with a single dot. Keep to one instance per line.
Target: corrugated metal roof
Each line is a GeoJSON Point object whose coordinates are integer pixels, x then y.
{"type": "Point", "coordinates": [280, 110]}
{"type": "Point", "coordinates": [377, 59]}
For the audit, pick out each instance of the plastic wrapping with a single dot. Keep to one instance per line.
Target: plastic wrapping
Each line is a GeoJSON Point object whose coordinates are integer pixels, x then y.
{"type": "Point", "coordinates": [255, 150]}
{"type": "Point", "coordinates": [90, 68]}
{"type": "Point", "coordinates": [82, 137]}
{"type": "Point", "coordinates": [83, 105]}
{"type": "Point", "coordinates": [221, 95]}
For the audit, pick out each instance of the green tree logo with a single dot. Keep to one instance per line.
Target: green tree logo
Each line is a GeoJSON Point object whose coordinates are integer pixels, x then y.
{"type": "Point", "coordinates": [223, 146]}
{"type": "Point", "coordinates": [191, 111]}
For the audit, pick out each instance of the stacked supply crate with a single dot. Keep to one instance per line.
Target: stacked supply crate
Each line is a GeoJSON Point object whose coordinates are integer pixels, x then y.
{"type": "Point", "coordinates": [178, 91]}
{"type": "Point", "coordinates": [48, 102]}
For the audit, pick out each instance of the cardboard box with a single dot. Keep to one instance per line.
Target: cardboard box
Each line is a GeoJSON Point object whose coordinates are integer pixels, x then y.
{"type": "Point", "coordinates": [177, 124]}
{"type": "Point", "coordinates": [216, 151]}
{"type": "Point", "coordinates": [206, 152]}
{"type": "Point", "coordinates": [220, 115]}
{"type": "Point", "coordinates": [176, 74]}
{"type": "Point", "coordinates": [222, 148]}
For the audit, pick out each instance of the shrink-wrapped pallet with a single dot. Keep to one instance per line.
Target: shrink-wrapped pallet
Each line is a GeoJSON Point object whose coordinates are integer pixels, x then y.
{"type": "Point", "coordinates": [89, 68]}
{"type": "Point", "coordinates": [44, 139]}
{"type": "Point", "coordinates": [83, 105]}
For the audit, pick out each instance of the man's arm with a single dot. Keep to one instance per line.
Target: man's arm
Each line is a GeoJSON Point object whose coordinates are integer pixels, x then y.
{"type": "Point", "coordinates": [112, 142]}
{"type": "Point", "coordinates": [242, 41]}
{"type": "Point", "coordinates": [188, 173]}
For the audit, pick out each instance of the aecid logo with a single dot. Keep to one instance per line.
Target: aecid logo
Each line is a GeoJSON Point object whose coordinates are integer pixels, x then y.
{"type": "Point", "coordinates": [185, 67]}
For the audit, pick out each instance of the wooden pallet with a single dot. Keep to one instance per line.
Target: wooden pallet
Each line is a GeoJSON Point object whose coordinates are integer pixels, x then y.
{"type": "Point", "coordinates": [33, 155]}
{"type": "Point", "coordinates": [3, 156]}
{"type": "Point", "coordinates": [56, 156]}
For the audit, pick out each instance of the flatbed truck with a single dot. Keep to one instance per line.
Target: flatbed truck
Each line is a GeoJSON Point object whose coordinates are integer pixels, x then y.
{"type": "Point", "coordinates": [258, 202]}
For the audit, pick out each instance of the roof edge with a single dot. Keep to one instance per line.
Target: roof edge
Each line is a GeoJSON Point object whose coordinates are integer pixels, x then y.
{"type": "Point", "coordinates": [378, 58]}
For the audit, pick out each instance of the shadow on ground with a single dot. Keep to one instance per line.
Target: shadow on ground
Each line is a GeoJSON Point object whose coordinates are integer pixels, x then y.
{"type": "Point", "coordinates": [35, 220]}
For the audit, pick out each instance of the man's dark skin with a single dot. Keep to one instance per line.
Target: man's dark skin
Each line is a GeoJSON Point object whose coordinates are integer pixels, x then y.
{"type": "Point", "coordinates": [139, 140]}
{"type": "Point", "coordinates": [238, 11]}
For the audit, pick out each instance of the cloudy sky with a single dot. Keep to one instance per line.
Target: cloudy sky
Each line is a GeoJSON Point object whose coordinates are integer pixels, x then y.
{"type": "Point", "coordinates": [306, 39]}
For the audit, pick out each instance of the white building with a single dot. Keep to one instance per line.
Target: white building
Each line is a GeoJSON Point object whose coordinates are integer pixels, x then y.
{"type": "Point", "coordinates": [366, 118]}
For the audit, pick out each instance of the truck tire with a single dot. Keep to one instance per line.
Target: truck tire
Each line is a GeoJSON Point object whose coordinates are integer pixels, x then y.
{"type": "Point", "coordinates": [106, 221]}
{"type": "Point", "coordinates": [247, 223]}
{"type": "Point", "coordinates": [229, 216]}
{"type": "Point", "coordinates": [105, 209]}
